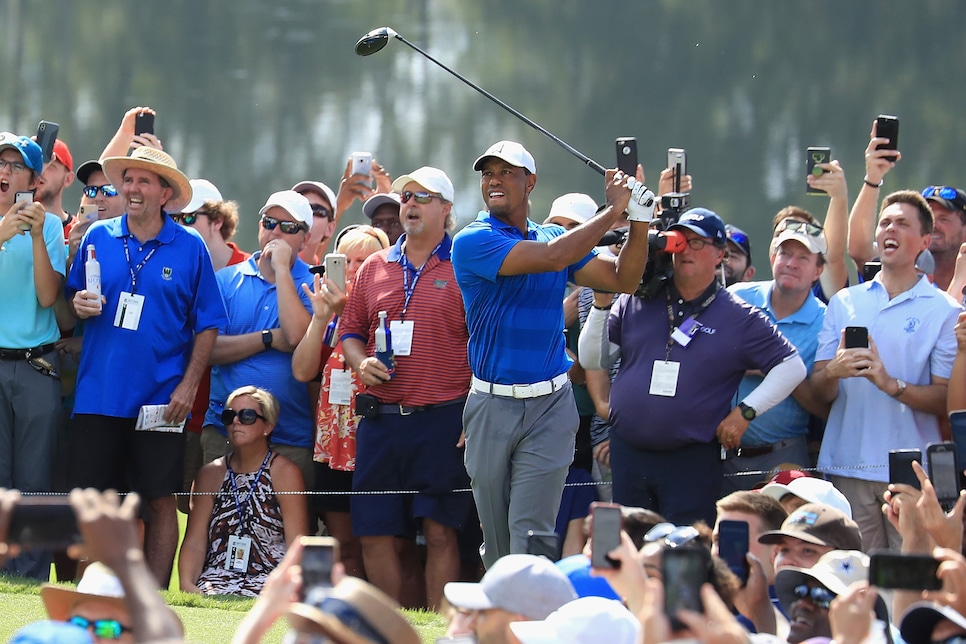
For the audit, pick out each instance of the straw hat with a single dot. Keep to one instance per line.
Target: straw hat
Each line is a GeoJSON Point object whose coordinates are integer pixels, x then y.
{"type": "Point", "coordinates": [158, 162]}
{"type": "Point", "coordinates": [98, 583]}
{"type": "Point", "coordinates": [367, 606]}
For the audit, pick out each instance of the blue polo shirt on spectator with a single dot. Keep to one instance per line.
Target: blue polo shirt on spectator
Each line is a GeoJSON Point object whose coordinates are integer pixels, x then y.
{"type": "Point", "coordinates": [515, 321]}
{"type": "Point", "coordinates": [123, 369]}
{"type": "Point", "coordinates": [787, 419]}
{"type": "Point", "coordinates": [252, 305]}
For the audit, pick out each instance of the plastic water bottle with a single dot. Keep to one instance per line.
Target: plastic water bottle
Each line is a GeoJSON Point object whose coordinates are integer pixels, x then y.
{"type": "Point", "coordinates": [384, 344]}
{"type": "Point", "coordinates": [92, 269]}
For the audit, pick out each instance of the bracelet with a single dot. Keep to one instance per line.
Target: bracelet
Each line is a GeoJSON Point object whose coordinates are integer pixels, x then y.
{"type": "Point", "coordinates": [873, 185]}
{"type": "Point", "coordinates": [602, 308]}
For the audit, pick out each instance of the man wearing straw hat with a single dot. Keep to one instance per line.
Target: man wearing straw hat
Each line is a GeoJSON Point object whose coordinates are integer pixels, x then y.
{"type": "Point", "coordinates": [147, 340]}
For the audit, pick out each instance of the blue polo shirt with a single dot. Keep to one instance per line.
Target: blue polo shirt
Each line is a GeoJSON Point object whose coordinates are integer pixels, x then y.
{"type": "Point", "coordinates": [516, 322]}
{"type": "Point", "coordinates": [120, 369]}
{"type": "Point", "coordinates": [787, 419]}
{"type": "Point", "coordinates": [252, 305]}
{"type": "Point", "coordinates": [25, 324]}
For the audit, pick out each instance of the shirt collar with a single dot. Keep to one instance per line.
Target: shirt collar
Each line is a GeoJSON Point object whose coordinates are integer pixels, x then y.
{"type": "Point", "coordinates": [164, 236]}
{"type": "Point", "coordinates": [445, 246]}
{"type": "Point", "coordinates": [805, 313]}
{"type": "Point", "coordinates": [502, 225]}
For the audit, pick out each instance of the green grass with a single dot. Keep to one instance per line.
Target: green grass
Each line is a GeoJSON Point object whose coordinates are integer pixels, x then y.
{"type": "Point", "coordinates": [207, 620]}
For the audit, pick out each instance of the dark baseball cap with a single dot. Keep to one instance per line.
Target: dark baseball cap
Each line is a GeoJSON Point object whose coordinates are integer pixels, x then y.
{"type": "Point", "coordinates": [949, 198]}
{"type": "Point", "coordinates": [739, 238]}
{"type": "Point", "coordinates": [703, 222]}
{"type": "Point", "coordinates": [818, 524]}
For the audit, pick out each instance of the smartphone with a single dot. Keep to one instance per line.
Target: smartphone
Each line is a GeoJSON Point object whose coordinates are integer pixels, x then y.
{"type": "Point", "coordinates": [870, 270]}
{"type": "Point", "coordinates": [88, 212]}
{"type": "Point", "coordinates": [543, 544]}
{"type": "Point", "coordinates": [335, 269]}
{"type": "Point", "coordinates": [24, 196]}
{"type": "Point", "coordinates": [814, 156]}
{"type": "Point", "coordinates": [626, 147]}
{"type": "Point", "coordinates": [733, 546]}
{"type": "Point", "coordinates": [43, 523]}
{"type": "Point", "coordinates": [362, 163]}
{"type": "Point", "coordinates": [887, 127]}
{"type": "Point", "coordinates": [319, 554]}
{"type": "Point", "coordinates": [943, 472]}
{"type": "Point", "coordinates": [856, 337]}
{"type": "Point", "coordinates": [677, 160]}
{"type": "Point", "coordinates": [684, 570]}
{"type": "Point", "coordinates": [904, 571]}
{"type": "Point", "coordinates": [46, 137]}
{"type": "Point", "coordinates": [900, 466]}
{"type": "Point", "coordinates": [144, 123]}
{"type": "Point", "coordinates": [605, 533]}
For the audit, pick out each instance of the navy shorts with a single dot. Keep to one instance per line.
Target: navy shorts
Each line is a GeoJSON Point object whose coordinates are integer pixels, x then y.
{"type": "Point", "coordinates": [410, 453]}
{"type": "Point", "coordinates": [576, 500]}
{"type": "Point", "coordinates": [107, 453]}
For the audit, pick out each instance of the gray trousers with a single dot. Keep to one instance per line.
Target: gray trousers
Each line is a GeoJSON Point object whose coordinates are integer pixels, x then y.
{"type": "Point", "coordinates": [517, 455]}
{"type": "Point", "coordinates": [30, 410]}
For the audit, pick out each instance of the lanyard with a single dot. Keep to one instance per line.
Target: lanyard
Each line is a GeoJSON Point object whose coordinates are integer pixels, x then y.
{"type": "Point", "coordinates": [135, 270]}
{"type": "Point", "coordinates": [251, 491]}
{"type": "Point", "coordinates": [408, 267]}
{"type": "Point", "coordinates": [693, 317]}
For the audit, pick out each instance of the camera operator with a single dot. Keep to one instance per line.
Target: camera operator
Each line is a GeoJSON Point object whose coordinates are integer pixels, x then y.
{"type": "Point", "coordinates": [683, 353]}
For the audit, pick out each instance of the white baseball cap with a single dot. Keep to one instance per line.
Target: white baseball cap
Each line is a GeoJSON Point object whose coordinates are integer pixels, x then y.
{"type": "Point", "coordinates": [293, 203]}
{"type": "Point", "coordinates": [433, 179]}
{"type": "Point", "coordinates": [511, 152]}
{"type": "Point", "coordinates": [202, 190]}
{"type": "Point", "coordinates": [812, 490]}
{"type": "Point", "coordinates": [588, 619]}
{"type": "Point", "coordinates": [316, 186]}
{"type": "Point", "coordinates": [574, 206]}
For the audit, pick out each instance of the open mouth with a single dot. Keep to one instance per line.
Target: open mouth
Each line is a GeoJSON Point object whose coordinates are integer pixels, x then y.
{"type": "Point", "coordinates": [4, 186]}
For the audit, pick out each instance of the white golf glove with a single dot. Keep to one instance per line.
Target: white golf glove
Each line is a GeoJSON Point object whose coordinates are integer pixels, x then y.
{"type": "Point", "coordinates": [642, 203]}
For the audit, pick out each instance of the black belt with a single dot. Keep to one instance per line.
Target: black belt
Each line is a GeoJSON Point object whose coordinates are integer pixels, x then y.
{"type": "Point", "coordinates": [26, 354]}
{"type": "Point", "coordinates": [763, 450]}
{"type": "Point", "coordinates": [405, 411]}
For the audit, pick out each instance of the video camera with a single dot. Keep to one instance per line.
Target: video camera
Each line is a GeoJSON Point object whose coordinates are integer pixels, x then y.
{"type": "Point", "coordinates": [662, 243]}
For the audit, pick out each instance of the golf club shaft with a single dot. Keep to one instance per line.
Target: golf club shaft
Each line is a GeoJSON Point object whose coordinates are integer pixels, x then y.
{"type": "Point", "coordinates": [566, 146]}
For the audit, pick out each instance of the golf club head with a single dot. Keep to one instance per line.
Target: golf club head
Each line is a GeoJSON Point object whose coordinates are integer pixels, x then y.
{"type": "Point", "coordinates": [374, 41]}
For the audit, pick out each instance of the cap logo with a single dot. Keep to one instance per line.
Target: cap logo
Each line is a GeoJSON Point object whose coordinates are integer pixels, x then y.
{"type": "Point", "coordinates": [807, 518]}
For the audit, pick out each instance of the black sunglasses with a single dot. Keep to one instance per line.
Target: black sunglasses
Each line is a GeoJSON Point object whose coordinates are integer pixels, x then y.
{"type": "Point", "coordinates": [244, 416]}
{"type": "Point", "coordinates": [188, 218]}
{"type": "Point", "coordinates": [319, 210]}
{"type": "Point", "coordinates": [107, 190]}
{"type": "Point", "coordinates": [819, 595]}
{"type": "Point", "coordinates": [288, 227]}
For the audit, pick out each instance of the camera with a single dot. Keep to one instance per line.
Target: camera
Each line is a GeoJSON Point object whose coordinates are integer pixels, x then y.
{"type": "Point", "coordinates": [659, 269]}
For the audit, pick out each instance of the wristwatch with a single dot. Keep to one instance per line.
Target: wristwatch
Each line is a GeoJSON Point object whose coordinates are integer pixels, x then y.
{"type": "Point", "coordinates": [901, 388]}
{"type": "Point", "coordinates": [748, 413]}
{"type": "Point", "coordinates": [267, 338]}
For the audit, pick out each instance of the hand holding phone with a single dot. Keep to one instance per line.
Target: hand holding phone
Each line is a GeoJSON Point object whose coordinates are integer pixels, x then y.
{"type": "Point", "coordinates": [900, 467]}
{"type": "Point", "coordinates": [46, 137]}
{"type": "Point", "coordinates": [904, 571]}
{"type": "Point", "coordinates": [335, 269]}
{"type": "Point", "coordinates": [43, 523]}
{"type": "Point", "coordinates": [813, 157]}
{"type": "Point", "coordinates": [319, 555]}
{"type": "Point", "coordinates": [684, 571]}
{"type": "Point", "coordinates": [144, 123]}
{"type": "Point", "coordinates": [677, 160]}
{"type": "Point", "coordinates": [887, 127]}
{"type": "Point", "coordinates": [944, 473]}
{"type": "Point", "coordinates": [27, 197]}
{"type": "Point", "coordinates": [361, 163]}
{"type": "Point", "coordinates": [605, 533]}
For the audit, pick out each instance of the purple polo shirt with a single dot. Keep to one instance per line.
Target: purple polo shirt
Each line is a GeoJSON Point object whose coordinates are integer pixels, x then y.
{"type": "Point", "coordinates": [734, 337]}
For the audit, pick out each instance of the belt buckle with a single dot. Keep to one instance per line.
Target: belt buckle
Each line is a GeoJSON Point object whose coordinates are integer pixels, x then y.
{"type": "Point", "coordinates": [405, 411]}
{"type": "Point", "coordinates": [28, 354]}
{"type": "Point", "coordinates": [522, 391]}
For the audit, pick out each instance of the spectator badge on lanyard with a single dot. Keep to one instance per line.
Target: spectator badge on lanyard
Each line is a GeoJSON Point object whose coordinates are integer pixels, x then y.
{"type": "Point", "coordinates": [239, 550]}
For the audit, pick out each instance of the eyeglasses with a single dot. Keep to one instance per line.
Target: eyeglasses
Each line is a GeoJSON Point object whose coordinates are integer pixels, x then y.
{"type": "Point", "coordinates": [799, 226]}
{"type": "Point", "coordinates": [107, 190]}
{"type": "Point", "coordinates": [672, 535]}
{"type": "Point", "coordinates": [819, 595]}
{"type": "Point", "coordinates": [16, 167]}
{"type": "Point", "coordinates": [697, 243]}
{"type": "Point", "coordinates": [244, 416]}
{"type": "Point", "coordinates": [319, 210]}
{"type": "Point", "coordinates": [288, 227]}
{"type": "Point", "coordinates": [108, 629]}
{"type": "Point", "coordinates": [957, 197]}
{"type": "Point", "coordinates": [189, 218]}
{"type": "Point", "coordinates": [420, 197]}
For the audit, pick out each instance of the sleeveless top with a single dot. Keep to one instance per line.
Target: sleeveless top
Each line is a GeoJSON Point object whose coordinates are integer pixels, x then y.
{"type": "Point", "coordinates": [262, 523]}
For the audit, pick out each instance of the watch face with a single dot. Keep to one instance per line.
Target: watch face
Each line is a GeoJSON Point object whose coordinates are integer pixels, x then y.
{"type": "Point", "coordinates": [747, 412]}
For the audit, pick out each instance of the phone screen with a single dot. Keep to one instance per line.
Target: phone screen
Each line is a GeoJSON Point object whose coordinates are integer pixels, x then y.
{"type": "Point", "coordinates": [319, 554]}
{"type": "Point", "coordinates": [904, 571]}
{"type": "Point", "coordinates": [684, 571]}
{"type": "Point", "coordinates": [943, 474]}
{"type": "Point", "coordinates": [733, 546]}
{"type": "Point", "coordinates": [605, 534]}
{"type": "Point", "coordinates": [43, 523]}
{"type": "Point", "coordinates": [900, 466]}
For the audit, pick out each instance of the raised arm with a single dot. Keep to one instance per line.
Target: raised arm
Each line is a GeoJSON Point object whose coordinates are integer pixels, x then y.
{"type": "Point", "coordinates": [862, 217]}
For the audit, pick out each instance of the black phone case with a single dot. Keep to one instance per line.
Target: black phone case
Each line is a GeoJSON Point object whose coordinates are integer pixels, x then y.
{"type": "Point", "coordinates": [887, 127]}
{"type": "Point", "coordinates": [856, 337]}
{"type": "Point", "coordinates": [900, 467]}
{"type": "Point", "coordinates": [367, 405]}
{"type": "Point", "coordinates": [627, 155]}
{"type": "Point", "coordinates": [813, 157]}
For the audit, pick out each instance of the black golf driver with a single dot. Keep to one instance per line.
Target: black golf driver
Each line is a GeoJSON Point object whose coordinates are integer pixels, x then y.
{"type": "Point", "coordinates": [376, 39]}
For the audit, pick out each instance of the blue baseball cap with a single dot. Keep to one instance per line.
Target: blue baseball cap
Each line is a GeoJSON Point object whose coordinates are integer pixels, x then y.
{"type": "Point", "coordinates": [49, 632]}
{"type": "Point", "coordinates": [705, 223]}
{"type": "Point", "coordinates": [577, 569]}
{"type": "Point", "coordinates": [739, 238]}
{"type": "Point", "coordinates": [33, 156]}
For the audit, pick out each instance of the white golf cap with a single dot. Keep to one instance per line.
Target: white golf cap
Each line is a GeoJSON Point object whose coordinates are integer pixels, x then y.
{"type": "Point", "coordinates": [202, 190]}
{"type": "Point", "coordinates": [293, 203]}
{"type": "Point", "coordinates": [316, 186]}
{"type": "Point", "coordinates": [511, 152]}
{"type": "Point", "coordinates": [574, 206]}
{"type": "Point", "coordinates": [588, 619]}
{"type": "Point", "coordinates": [433, 179]}
{"type": "Point", "coordinates": [812, 490]}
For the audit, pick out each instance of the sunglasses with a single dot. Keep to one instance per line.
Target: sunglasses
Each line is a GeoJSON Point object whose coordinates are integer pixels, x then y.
{"type": "Point", "coordinates": [672, 535]}
{"type": "Point", "coordinates": [244, 416]}
{"type": "Point", "coordinates": [420, 197]}
{"type": "Point", "coordinates": [189, 218]}
{"type": "Point", "coordinates": [799, 226]}
{"type": "Point", "coordinates": [108, 629]}
{"type": "Point", "coordinates": [819, 595]}
{"type": "Point", "coordinates": [107, 190]}
{"type": "Point", "coordinates": [319, 210]}
{"type": "Point", "coordinates": [288, 227]}
{"type": "Point", "coordinates": [738, 238]}
{"type": "Point", "coordinates": [957, 197]}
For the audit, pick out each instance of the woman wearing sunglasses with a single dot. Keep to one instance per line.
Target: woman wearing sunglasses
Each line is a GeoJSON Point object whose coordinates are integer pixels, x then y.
{"type": "Point", "coordinates": [245, 514]}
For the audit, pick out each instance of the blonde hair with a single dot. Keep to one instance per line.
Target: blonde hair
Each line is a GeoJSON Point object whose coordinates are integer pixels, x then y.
{"type": "Point", "coordinates": [365, 238]}
{"type": "Point", "coordinates": [267, 403]}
